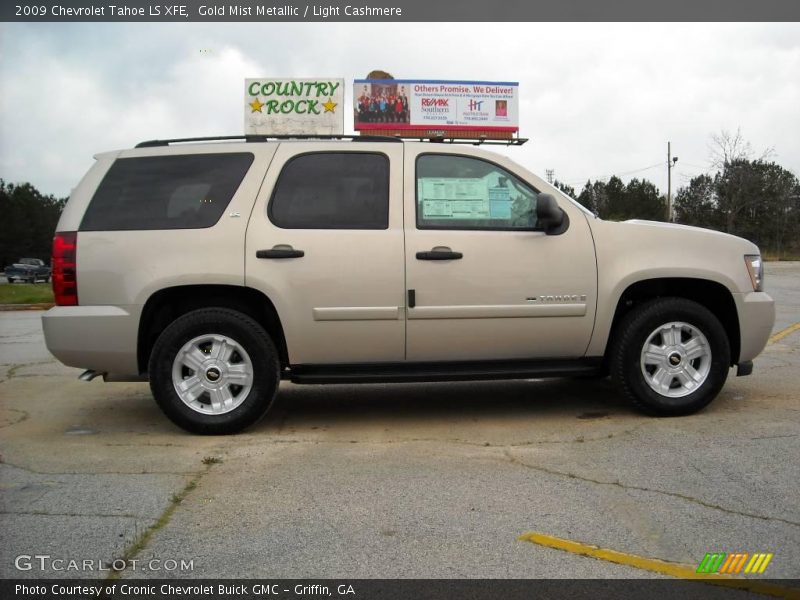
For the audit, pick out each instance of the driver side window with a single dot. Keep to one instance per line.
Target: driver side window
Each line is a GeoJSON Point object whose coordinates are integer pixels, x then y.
{"type": "Point", "coordinates": [461, 192]}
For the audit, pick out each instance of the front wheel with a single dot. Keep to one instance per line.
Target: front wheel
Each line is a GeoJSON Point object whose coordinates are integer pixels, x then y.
{"type": "Point", "coordinates": [214, 371]}
{"type": "Point", "coordinates": [670, 356]}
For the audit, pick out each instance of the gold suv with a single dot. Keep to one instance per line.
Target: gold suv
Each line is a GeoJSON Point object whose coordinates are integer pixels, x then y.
{"type": "Point", "coordinates": [216, 268]}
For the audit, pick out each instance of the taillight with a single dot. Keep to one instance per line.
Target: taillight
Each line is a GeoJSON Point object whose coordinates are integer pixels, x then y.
{"type": "Point", "coordinates": [65, 276]}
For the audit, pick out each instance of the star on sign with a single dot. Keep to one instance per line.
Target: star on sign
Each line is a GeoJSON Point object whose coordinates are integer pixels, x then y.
{"type": "Point", "coordinates": [256, 105]}
{"type": "Point", "coordinates": [330, 105]}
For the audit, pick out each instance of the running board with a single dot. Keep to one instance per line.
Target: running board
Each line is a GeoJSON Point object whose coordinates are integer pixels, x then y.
{"type": "Point", "coordinates": [442, 371]}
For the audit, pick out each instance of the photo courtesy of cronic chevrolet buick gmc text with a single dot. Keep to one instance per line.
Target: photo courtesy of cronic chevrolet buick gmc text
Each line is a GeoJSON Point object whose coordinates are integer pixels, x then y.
{"type": "Point", "coordinates": [216, 268]}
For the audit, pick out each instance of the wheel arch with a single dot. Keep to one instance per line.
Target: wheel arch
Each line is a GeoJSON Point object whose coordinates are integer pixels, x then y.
{"type": "Point", "coordinates": [166, 305]}
{"type": "Point", "coordinates": [710, 294]}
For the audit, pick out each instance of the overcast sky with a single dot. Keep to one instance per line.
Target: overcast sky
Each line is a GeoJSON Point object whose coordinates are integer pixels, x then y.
{"type": "Point", "coordinates": [596, 99]}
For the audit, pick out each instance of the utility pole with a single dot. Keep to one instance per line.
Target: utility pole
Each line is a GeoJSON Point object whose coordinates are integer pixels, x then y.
{"type": "Point", "coordinates": [550, 173]}
{"type": "Point", "coordinates": [671, 160]}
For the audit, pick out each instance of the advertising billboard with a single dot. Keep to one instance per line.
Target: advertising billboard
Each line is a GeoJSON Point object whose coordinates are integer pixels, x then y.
{"type": "Point", "coordinates": [311, 106]}
{"type": "Point", "coordinates": [446, 106]}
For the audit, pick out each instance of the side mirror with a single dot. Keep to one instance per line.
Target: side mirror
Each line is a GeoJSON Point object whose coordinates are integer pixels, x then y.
{"type": "Point", "coordinates": [550, 218]}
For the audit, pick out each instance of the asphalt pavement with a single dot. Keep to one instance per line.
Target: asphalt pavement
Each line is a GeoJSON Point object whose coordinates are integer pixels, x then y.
{"type": "Point", "coordinates": [411, 480]}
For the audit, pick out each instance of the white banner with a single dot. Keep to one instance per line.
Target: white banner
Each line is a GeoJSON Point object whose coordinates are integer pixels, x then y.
{"type": "Point", "coordinates": [294, 106]}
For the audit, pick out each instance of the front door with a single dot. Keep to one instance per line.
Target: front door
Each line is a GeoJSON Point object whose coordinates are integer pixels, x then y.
{"type": "Point", "coordinates": [484, 281]}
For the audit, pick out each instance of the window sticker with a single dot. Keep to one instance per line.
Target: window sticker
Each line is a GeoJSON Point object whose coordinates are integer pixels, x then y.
{"type": "Point", "coordinates": [454, 198]}
{"type": "Point", "coordinates": [499, 203]}
{"type": "Point", "coordinates": [459, 192]}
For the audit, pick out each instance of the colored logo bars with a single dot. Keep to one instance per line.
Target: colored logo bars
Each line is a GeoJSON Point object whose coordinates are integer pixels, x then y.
{"type": "Point", "coordinates": [721, 562]}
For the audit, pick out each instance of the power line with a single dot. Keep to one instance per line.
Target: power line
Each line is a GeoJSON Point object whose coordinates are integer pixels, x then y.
{"type": "Point", "coordinates": [658, 164]}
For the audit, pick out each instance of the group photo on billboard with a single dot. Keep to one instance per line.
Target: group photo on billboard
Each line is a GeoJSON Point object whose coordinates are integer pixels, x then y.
{"type": "Point", "coordinates": [446, 105]}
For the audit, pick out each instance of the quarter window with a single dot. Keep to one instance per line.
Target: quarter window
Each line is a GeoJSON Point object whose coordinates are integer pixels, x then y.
{"type": "Point", "coordinates": [460, 192]}
{"type": "Point", "coordinates": [332, 190]}
{"type": "Point", "coordinates": [166, 192]}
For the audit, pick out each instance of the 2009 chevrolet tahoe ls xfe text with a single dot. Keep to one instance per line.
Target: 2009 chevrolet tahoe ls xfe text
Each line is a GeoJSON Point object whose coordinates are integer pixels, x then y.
{"type": "Point", "coordinates": [216, 269]}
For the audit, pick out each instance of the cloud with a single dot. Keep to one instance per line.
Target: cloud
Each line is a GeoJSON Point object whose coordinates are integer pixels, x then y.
{"type": "Point", "coordinates": [597, 98]}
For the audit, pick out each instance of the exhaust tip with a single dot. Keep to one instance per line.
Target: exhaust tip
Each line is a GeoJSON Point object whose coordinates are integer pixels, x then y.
{"type": "Point", "coordinates": [88, 375]}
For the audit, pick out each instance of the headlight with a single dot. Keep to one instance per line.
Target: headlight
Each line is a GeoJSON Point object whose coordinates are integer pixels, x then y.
{"type": "Point", "coordinates": [755, 266]}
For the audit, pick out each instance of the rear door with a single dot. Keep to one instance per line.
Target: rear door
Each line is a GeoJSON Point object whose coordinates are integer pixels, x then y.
{"type": "Point", "coordinates": [325, 244]}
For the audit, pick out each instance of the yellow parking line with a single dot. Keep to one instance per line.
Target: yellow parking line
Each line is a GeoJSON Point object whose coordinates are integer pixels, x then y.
{"type": "Point", "coordinates": [658, 566]}
{"type": "Point", "coordinates": [783, 333]}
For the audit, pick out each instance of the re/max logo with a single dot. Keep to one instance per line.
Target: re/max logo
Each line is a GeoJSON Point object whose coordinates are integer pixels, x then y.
{"type": "Point", "coordinates": [722, 562]}
{"type": "Point", "coordinates": [436, 102]}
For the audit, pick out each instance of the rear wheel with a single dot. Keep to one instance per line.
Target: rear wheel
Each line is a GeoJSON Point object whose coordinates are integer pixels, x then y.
{"type": "Point", "coordinates": [214, 371]}
{"type": "Point", "coordinates": [670, 356]}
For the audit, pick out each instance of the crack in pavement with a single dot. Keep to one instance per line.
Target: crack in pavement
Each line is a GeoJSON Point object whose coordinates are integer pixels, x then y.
{"type": "Point", "coordinates": [24, 415]}
{"type": "Point", "coordinates": [145, 445]}
{"type": "Point", "coordinates": [95, 473]}
{"type": "Point", "coordinates": [579, 440]}
{"type": "Point", "coordinates": [42, 513]}
{"type": "Point", "coordinates": [141, 541]}
{"type": "Point", "coordinates": [516, 461]}
{"type": "Point", "coordinates": [12, 372]}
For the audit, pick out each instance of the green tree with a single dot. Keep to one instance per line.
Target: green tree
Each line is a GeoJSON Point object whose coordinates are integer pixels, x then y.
{"type": "Point", "coordinates": [616, 201]}
{"type": "Point", "coordinates": [754, 199]}
{"type": "Point", "coordinates": [616, 208]}
{"type": "Point", "coordinates": [567, 189]}
{"type": "Point", "coordinates": [696, 204]}
{"type": "Point", "coordinates": [593, 196]}
{"type": "Point", "coordinates": [758, 200]}
{"type": "Point", "coordinates": [28, 223]}
{"type": "Point", "coordinates": [642, 201]}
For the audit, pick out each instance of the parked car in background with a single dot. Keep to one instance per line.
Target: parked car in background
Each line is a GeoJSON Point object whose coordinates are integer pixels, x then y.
{"type": "Point", "coordinates": [29, 270]}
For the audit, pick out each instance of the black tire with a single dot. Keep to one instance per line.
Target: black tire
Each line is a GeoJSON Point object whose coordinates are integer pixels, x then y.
{"type": "Point", "coordinates": [242, 330]}
{"type": "Point", "coordinates": [628, 344]}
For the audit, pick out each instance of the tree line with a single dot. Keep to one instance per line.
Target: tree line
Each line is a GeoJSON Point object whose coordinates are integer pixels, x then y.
{"type": "Point", "coordinates": [28, 224]}
{"type": "Point", "coordinates": [754, 198]}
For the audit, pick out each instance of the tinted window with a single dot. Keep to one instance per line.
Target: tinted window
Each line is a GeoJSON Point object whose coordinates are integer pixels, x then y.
{"type": "Point", "coordinates": [332, 190]}
{"type": "Point", "coordinates": [459, 192]}
{"type": "Point", "coordinates": [166, 192]}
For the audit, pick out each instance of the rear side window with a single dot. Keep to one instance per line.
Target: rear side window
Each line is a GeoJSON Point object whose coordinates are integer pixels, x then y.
{"type": "Point", "coordinates": [332, 190]}
{"type": "Point", "coordinates": [166, 192]}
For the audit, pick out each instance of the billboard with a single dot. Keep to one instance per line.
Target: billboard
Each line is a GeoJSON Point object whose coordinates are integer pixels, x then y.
{"type": "Point", "coordinates": [446, 106]}
{"type": "Point", "coordinates": [311, 106]}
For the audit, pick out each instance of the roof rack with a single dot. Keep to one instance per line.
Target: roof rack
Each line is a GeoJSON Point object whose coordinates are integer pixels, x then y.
{"type": "Point", "coordinates": [266, 138]}
{"type": "Point", "coordinates": [354, 138]}
{"type": "Point", "coordinates": [480, 141]}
